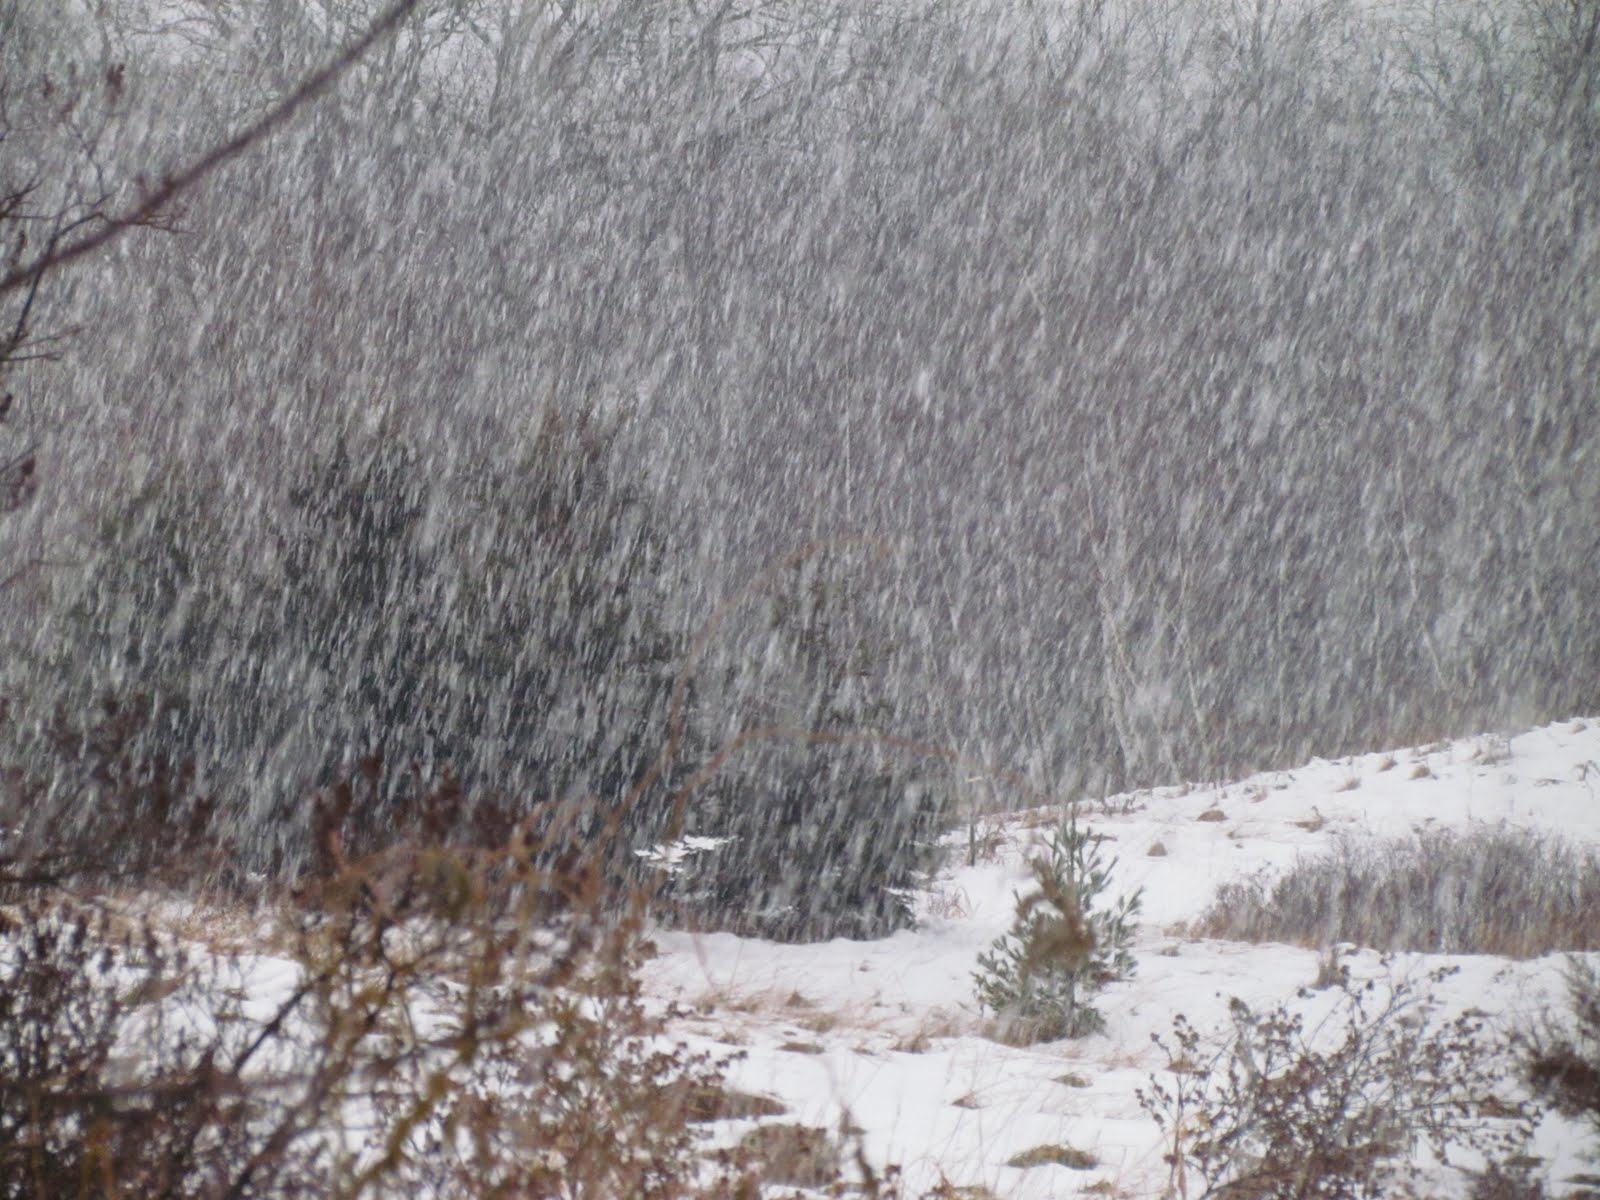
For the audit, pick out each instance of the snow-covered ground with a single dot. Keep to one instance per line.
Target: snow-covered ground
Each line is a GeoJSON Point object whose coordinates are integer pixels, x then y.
{"type": "Point", "coordinates": [887, 1035]}
{"type": "Point", "coordinates": [885, 1038]}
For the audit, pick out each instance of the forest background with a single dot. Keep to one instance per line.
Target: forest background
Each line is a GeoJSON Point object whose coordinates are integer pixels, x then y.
{"type": "Point", "coordinates": [1126, 392]}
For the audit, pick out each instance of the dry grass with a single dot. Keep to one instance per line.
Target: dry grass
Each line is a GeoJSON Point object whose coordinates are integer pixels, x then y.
{"type": "Point", "coordinates": [1059, 1155]}
{"type": "Point", "coordinates": [1124, 805]}
{"type": "Point", "coordinates": [1492, 749]}
{"type": "Point", "coordinates": [938, 1024]}
{"type": "Point", "coordinates": [946, 902]}
{"type": "Point", "coordinates": [945, 1190]}
{"type": "Point", "coordinates": [1495, 891]}
{"type": "Point", "coordinates": [711, 1100]}
{"type": "Point", "coordinates": [795, 1046]}
{"type": "Point", "coordinates": [788, 1154]}
{"type": "Point", "coordinates": [822, 1021]}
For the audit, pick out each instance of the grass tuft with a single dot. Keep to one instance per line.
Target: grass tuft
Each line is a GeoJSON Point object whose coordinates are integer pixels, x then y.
{"type": "Point", "coordinates": [1061, 1156]}
{"type": "Point", "coordinates": [794, 1155]}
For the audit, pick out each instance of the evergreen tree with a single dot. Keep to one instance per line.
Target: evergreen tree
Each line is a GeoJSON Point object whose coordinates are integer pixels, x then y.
{"type": "Point", "coordinates": [826, 827]}
{"type": "Point", "coordinates": [1065, 944]}
{"type": "Point", "coordinates": [515, 638]}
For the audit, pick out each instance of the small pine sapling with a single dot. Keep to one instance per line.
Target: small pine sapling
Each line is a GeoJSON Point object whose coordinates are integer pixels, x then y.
{"type": "Point", "coordinates": [1064, 946]}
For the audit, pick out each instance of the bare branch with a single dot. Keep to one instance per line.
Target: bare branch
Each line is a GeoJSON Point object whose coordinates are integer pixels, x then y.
{"type": "Point", "coordinates": [175, 185]}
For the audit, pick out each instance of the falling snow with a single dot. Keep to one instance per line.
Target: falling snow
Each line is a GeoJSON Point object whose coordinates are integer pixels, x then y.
{"type": "Point", "coordinates": [776, 432]}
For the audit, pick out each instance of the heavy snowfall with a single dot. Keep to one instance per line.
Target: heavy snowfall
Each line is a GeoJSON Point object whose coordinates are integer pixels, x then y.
{"type": "Point", "coordinates": [741, 475]}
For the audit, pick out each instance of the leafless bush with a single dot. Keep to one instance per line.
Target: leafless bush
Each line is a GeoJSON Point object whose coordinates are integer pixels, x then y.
{"type": "Point", "coordinates": [1491, 891]}
{"type": "Point", "coordinates": [1296, 1107]}
{"type": "Point", "coordinates": [431, 1029]}
{"type": "Point", "coordinates": [1561, 1060]}
{"type": "Point", "coordinates": [116, 812]}
{"type": "Point", "coordinates": [442, 1014]}
{"type": "Point", "coordinates": [445, 1013]}
{"type": "Point", "coordinates": [103, 1090]}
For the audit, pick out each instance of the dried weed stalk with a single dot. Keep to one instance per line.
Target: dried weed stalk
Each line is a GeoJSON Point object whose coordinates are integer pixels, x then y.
{"type": "Point", "coordinates": [1274, 1108]}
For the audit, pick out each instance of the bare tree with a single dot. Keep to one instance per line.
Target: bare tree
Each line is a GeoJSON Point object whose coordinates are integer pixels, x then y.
{"type": "Point", "coordinates": [42, 233]}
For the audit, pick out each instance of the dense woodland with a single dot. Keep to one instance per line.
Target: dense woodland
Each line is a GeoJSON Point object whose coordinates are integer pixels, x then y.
{"type": "Point", "coordinates": [1091, 394]}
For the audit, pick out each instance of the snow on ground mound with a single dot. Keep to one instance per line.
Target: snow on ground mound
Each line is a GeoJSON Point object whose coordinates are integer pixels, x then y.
{"type": "Point", "coordinates": [887, 1037]}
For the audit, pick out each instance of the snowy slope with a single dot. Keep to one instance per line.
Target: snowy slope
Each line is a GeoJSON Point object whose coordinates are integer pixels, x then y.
{"type": "Point", "coordinates": [887, 1036]}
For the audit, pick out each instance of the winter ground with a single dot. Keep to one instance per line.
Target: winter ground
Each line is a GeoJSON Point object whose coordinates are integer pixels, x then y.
{"type": "Point", "coordinates": [886, 1036]}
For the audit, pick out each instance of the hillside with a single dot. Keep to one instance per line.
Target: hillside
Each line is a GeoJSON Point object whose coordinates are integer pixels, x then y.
{"type": "Point", "coordinates": [407, 1026]}
{"type": "Point", "coordinates": [887, 1034]}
